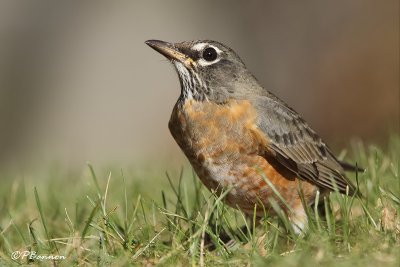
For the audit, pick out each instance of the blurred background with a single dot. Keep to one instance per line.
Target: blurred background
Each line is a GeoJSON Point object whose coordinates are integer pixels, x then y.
{"type": "Point", "coordinates": [77, 82]}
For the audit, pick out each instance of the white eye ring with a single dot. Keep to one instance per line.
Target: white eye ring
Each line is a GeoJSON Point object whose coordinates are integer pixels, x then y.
{"type": "Point", "coordinates": [200, 47]}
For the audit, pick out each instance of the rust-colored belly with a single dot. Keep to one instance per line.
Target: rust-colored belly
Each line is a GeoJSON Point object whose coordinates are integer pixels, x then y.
{"type": "Point", "coordinates": [228, 152]}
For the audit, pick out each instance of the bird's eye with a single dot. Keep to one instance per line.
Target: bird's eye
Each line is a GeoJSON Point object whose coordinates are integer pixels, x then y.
{"type": "Point", "coordinates": [209, 54]}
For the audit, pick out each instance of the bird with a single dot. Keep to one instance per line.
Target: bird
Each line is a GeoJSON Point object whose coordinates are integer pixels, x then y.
{"type": "Point", "coordinates": [243, 140]}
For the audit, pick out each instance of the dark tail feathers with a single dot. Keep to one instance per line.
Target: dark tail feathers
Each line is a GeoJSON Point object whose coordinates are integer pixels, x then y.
{"type": "Point", "coordinates": [350, 167]}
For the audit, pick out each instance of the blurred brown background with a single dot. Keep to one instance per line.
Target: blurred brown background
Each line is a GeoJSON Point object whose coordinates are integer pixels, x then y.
{"type": "Point", "coordinates": [78, 83]}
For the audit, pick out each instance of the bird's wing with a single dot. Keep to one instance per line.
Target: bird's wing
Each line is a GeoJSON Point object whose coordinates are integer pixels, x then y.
{"type": "Point", "coordinates": [297, 147]}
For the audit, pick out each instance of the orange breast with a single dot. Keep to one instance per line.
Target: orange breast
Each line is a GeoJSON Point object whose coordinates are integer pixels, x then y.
{"type": "Point", "coordinates": [227, 150]}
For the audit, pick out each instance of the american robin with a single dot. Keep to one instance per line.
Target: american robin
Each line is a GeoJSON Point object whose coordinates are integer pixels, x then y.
{"type": "Point", "coordinates": [241, 138]}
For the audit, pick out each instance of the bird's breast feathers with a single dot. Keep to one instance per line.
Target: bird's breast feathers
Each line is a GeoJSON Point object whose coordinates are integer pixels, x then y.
{"type": "Point", "coordinates": [207, 127]}
{"type": "Point", "coordinates": [217, 138]}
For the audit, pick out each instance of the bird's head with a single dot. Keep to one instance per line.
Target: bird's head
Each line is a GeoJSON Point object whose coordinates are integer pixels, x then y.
{"type": "Point", "coordinates": [207, 70]}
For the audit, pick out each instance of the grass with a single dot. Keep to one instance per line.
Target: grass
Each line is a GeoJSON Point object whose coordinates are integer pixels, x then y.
{"type": "Point", "coordinates": [106, 216]}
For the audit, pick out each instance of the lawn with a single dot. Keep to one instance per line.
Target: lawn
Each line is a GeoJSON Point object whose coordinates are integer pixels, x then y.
{"type": "Point", "coordinates": [104, 216]}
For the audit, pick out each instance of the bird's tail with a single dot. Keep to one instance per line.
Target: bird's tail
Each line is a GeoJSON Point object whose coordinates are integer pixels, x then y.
{"type": "Point", "coordinates": [350, 167]}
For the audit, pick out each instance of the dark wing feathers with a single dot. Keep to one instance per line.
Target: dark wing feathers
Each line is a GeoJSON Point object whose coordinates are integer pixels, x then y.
{"type": "Point", "coordinates": [297, 147]}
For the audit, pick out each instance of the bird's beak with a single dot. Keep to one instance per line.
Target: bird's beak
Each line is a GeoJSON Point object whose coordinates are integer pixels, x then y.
{"type": "Point", "coordinates": [171, 52]}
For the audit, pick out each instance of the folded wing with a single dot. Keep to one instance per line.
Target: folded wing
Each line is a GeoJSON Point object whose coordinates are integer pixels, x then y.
{"type": "Point", "coordinates": [297, 147]}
